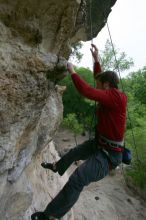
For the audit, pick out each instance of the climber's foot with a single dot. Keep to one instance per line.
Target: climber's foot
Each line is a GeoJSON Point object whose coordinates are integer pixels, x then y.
{"type": "Point", "coordinates": [38, 216]}
{"type": "Point", "coordinates": [50, 166]}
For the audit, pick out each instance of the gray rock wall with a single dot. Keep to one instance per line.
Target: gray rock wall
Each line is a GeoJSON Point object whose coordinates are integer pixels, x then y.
{"type": "Point", "coordinates": [35, 41]}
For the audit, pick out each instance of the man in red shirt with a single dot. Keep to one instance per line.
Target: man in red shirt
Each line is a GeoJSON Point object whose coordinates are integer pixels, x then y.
{"type": "Point", "coordinates": [101, 153]}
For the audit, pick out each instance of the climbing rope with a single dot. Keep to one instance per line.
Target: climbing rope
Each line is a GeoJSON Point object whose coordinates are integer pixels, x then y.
{"type": "Point", "coordinates": [117, 67]}
{"type": "Point", "coordinates": [132, 132]}
{"type": "Point", "coordinates": [118, 70]}
{"type": "Point", "coordinates": [94, 118]}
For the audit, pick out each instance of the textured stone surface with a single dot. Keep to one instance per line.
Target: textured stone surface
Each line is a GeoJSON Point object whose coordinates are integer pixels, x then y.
{"type": "Point", "coordinates": [35, 41]}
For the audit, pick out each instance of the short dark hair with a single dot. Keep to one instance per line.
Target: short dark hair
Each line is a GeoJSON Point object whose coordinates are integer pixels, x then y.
{"type": "Point", "coordinates": [108, 76]}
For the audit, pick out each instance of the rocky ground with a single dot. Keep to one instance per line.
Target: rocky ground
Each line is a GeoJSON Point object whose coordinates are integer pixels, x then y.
{"type": "Point", "coordinates": [108, 199]}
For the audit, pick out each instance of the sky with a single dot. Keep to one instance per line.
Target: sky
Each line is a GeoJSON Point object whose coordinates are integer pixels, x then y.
{"type": "Point", "coordinates": [127, 24]}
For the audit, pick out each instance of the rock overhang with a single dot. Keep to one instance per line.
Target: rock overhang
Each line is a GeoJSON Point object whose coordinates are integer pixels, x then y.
{"type": "Point", "coordinates": [54, 25]}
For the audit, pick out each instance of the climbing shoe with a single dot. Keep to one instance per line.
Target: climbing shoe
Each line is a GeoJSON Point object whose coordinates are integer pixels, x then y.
{"type": "Point", "coordinates": [50, 166]}
{"type": "Point", "coordinates": [38, 216]}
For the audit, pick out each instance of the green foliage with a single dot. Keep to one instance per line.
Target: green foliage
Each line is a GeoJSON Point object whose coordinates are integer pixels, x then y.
{"type": "Point", "coordinates": [137, 144]}
{"type": "Point", "coordinates": [75, 103]}
{"type": "Point", "coordinates": [136, 115]}
{"type": "Point", "coordinates": [134, 84]}
{"type": "Point", "coordinates": [108, 61]}
{"type": "Point", "coordinates": [71, 122]}
{"type": "Point", "coordinates": [138, 175]}
{"type": "Point", "coordinates": [137, 170]}
{"type": "Point", "coordinates": [135, 140]}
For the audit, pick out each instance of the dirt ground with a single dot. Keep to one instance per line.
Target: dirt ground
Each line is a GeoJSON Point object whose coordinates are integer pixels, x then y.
{"type": "Point", "coordinates": [108, 199]}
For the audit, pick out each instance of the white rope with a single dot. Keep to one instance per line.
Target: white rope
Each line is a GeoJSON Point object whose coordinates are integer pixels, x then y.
{"type": "Point", "coordinates": [118, 69]}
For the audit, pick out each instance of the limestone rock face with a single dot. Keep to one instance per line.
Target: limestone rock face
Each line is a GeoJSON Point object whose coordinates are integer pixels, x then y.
{"type": "Point", "coordinates": [35, 41]}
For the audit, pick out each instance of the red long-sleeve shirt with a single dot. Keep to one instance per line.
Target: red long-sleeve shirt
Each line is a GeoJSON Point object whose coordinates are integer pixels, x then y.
{"type": "Point", "coordinates": [111, 111]}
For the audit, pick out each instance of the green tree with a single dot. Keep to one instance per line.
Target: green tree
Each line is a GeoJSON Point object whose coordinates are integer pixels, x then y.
{"type": "Point", "coordinates": [75, 103]}
{"type": "Point", "coordinates": [137, 84]}
{"type": "Point", "coordinates": [108, 61]}
{"type": "Point", "coordinates": [134, 86]}
{"type": "Point", "coordinates": [71, 122]}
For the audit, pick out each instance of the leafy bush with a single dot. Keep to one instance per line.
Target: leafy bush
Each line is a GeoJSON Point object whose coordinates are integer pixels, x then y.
{"type": "Point", "coordinates": [137, 172]}
{"type": "Point", "coordinates": [136, 141]}
{"type": "Point", "coordinates": [76, 104]}
{"type": "Point", "coordinates": [71, 122]}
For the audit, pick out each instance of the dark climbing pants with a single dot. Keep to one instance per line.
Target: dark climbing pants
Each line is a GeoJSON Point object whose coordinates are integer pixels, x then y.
{"type": "Point", "coordinates": [93, 169]}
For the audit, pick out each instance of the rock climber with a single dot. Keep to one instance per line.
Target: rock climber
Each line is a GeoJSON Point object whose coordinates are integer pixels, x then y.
{"type": "Point", "coordinates": [100, 154]}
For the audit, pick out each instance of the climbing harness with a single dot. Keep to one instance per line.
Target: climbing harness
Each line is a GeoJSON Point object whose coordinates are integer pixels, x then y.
{"type": "Point", "coordinates": [116, 146]}
{"type": "Point", "coordinates": [112, 144]}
